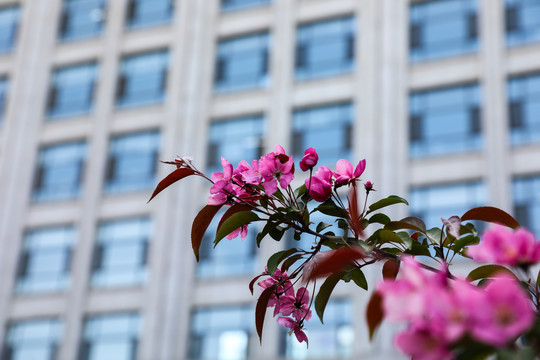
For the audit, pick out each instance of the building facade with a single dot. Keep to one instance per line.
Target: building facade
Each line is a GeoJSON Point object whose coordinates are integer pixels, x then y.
{"type": "Point", "coordinates": [442, 97]}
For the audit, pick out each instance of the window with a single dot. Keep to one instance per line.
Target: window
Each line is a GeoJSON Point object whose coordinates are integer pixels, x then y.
{"type": "Point", "coordinates": [143, 79]}
{"type": "Point", "coordinates": [227, 5]}
{"type": "Point", "coordinates": [148, 12]}
{"type": "Point", "coordinates": [235, 139]}
{"type": "Point", "coordinates": [110, 337]}
{"type": "Point", "coordinates": [522, 21]}
{"type": "Point", "coordinates": [325, 48]}
{"type": "Point", "coordinates": [32, 339]}
{"type": "Point", "coordinates": [242, 62]}
{"type": "Point", "coordinates": [327, 128]}
{"type": "Point", "coordinates": [45, 260]}
{"type": "Point", "coordinates": [333, 340]}
{"type": "Point", "coordinates": [59, 172]}
{"type": "Point", "coordinates": [82, 19]}
{"type": "Point", "coordinates": [527, 202]}
{"type": "Point", "coordinates": [221, 333]}
{"type": "Point", "coordinates": [440, 28]}
{"type": "Point", "coordinates": [9, 23]}
{"type": "Point", "coordinates": [230, 257]}
{"type": "Point", "coordinates": [445, 121]}
{"type": "Point", "coordinates": [3, 97]}
{"type": "Point", "coordinates": [72, 90]}
{"type": "Point", "coordinates": [523, 109]}
{"type": "Point", "coordinates": [132, 162]}
{"type": "Point", "coordinates": [121, 253]}
{"type": "Point", "coordinates": [430, 203]}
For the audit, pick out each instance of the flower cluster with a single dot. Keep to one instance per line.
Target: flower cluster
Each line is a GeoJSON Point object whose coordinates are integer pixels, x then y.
{"type": "Point", "coordinates": [322, 182]}
{"type": "Point", "coordinates": [502, 246]}
{"type": "Point", "coordinates": [440, 312]}
{"type": "Point", "coordinates": [294, 308]}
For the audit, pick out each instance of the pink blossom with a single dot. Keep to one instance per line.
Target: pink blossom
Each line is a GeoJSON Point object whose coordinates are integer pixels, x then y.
{"type": "Point", "coordinates": [309, 160]}
{"type": "Point", "coordinates": [242, 230]}
{"type": "Point", "coordinates": [297, 306]}
{"type": "Point", "coordinates": [248, 174]}
{"type": "Point", "coordinates": [502, 246]}
{"type": "Point", "coordinates": [421, 342]}
{"type": "Point", "coordinates": [222, 188]}
{"type": "Point", "coordinates": [506, 312]}
{"type": "Point", "coordinates": [295, 327]}
{"type": "Point", "coordinates": [344, 171]}
{"type": "Point", "coordinates": [368, 186]}
{"type": "Point", "coordinates": [276, 167]}
{"type": "Point", "coordinates": [285, 289]}
{"type": "Point", "coordinates": [320, 184]}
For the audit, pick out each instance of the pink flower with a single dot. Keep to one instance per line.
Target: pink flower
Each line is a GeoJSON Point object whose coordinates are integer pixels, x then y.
{"type": "Point", "coordinates": [309, 160]}
{"type": "Point", "coordinates": [285, 289]}
{"type": "Point", "coordinates": [344, 171]}
{"type": "Point", "coordinates": [276, 167]}
{"type": "Point", "coordinates": [242, 230]}
{"type": "Point", "coordinates": [506, 312]}
{"type": "Point", "coordinates": [222, 188]}
{"type": "Point", "coordinates": [248, 174]}
{"type": "Point", "coordinates": [320, 184]}
{"type": "Point", "coordinates": [421, 342]}
{"type": "Point", "coordinates": [502, 246]}
{"type": "Point", "coordinates": [295, 327]}
{"type": "Point", "coordinates": [297, 306]}
{"type": "Point", "coordinates": [368, 186]}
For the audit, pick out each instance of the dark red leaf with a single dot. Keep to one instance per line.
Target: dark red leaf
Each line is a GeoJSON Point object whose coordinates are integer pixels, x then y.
{"type": "Point", "coordinates": [200, 224]}
{"type": "Point", "coordinates": [170, 179]}
{"type": "Point", "coordinates": [390, 269]}
{"type": "Point", "coordinates": [491, 214]}
{"type": "Point", "coordinates": [233, 210]}
{"type": "Point", "coordinates": [260, 309]}
{"type": "Point", "coordinates": [336, 261]}
{"type": "Point", "coordinates": [354, 213]}
{"type": "Point", "coordinates": [374, 313]}
{"type": "Point", "coordinates": [252, 282]}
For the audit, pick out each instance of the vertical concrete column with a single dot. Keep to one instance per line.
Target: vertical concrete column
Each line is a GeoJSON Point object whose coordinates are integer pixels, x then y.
{"type": "Point", "coordinates": [93, 181]}
{"type": "Point", "coordinates": [493, 84]}
{"type": "Point", "coordinates": [31, 60]}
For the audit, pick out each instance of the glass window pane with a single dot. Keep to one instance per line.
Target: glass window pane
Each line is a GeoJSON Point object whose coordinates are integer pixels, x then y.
{"type": "Point", "coordinates": [522, 21]}
{"type": "Point", "coordinates": [325, 128]}
{"type": "Point", "coordinates": [9, 24]}
{"type": "Point", "coordinates": [441, 28]}
{"type": "Point", "coordinates": [229, 5]}
{"type": "Point", "coordinates": [325, 48]}
{"type": "Point", "coordinates": [34, 339]}
{"type": "Point", "coordinates": [445, 121]}
{"type": "Point", "coordinates": [4, 84]}
{"type": "Point", "coordinates": [149, 12]}
{"type": "Point", "coordinates": [142, 79]}
{"type": "Point", "coordinates": [132, 162]}
{"type": "Point", "coordinates": [526, 191]}
{"type": "Point", "coordinates": [121, 253]}
{"type": "Point", "coordinates": [82, 19]}
{"type": "Point", "coordinates": [523, 109]}
{"type": "Point", "coordinates": [59, 172]}
{"type": "Point", "coordinates": [242, 62]}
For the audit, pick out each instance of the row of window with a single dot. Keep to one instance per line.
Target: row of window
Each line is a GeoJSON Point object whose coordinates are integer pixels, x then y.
{"type": "Point", "coordinates": [216, 333]}
{"type": "Point", "coordinates": [131, 166]}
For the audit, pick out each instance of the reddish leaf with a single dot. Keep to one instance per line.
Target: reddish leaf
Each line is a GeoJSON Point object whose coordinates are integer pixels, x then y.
{"type": "Point", "coordinates": [374, 313]}
{"type": "Point", "coordinates": [354, 213]}
{"type": "Point", "coordinates": [233, 210]}
{"type": "Point", "coordinates": [252, 282]}
{"type": "Point", "coordinates": [200, 224]}
{"type": "Point", "coordinates": [390, 269]}
{"type": "Point", "coordinates": [260, 309]}
{"type": "Point", "coordinates": [170, 179]}
{"type": "Point", "coordinates": [453, 225]}
{"type": "Point", "coordinates": [491, 214]}
{"type": "Point", "coordinates": [336, 261]}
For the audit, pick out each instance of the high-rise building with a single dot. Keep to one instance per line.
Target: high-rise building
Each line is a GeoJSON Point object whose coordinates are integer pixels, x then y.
{"type": "Point", "coordinates": [442, 97]}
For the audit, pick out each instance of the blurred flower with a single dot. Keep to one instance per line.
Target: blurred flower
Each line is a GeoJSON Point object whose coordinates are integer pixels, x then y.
{"type": "Point", "coordinates": [295, 327]}
{"type": "Point", "coordinates": [242, 230]}
{"type": "Point", "coordinates": [297, 306]}
{"type": "Point", "coordinates": [320, 184]}
{"type": "Point", "coordinates": [344, 171]}
{"type": "Point", "coordinates": [309, 160]}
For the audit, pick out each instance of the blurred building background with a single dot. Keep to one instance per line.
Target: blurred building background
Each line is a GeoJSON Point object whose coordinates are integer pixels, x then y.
{"type": "Point", "coordinates": [442, 97]}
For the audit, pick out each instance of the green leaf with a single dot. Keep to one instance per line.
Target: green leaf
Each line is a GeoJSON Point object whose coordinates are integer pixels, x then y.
{"type": "Point", "coordinates": [269, 226]}
{"type": "Point", "coordinates": [324, 294]}
{"type": "Point", "coordinates": [391, 200]}
{"type": "Point", "coordinates": [434, 235]}
{"type": "Point", "coordinates": [300, 191]}
{"type": "Point", "coordinates": [290, 261]}
{"type": "Point", "coordinates": [277, 232]}
{"type": "Point", "coordinates": [322, 226]}
{"type": "Point", "coordinates": [277, 258]}
{"type": "Point", "coordinates": [379, 219]}
{"type": "Point", "coordinates": [387, 236]}
{"type": "Point", "coordinates": [411, 223]}
{"type": "Point", "coordinates": [491, 214]}
{"type": "Point", "coordinates": [405, 239]}
{"type": "Point", "coordinates": [359, 278]}
{"type": "Point", "coordinates": [234, 222]}
{"type": "Point", "coordinates": [465, 241]}
{"type": "Point", "coordinates": [200, 225]}
{"type": "Point", "coordinates": [330, 208]}
{"type": "Point", "coordinates": [487, 271]}
{"type": "Point", "coordinates": [525, 353]}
